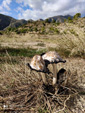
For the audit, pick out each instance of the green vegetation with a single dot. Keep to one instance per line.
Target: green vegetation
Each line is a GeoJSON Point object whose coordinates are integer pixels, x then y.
{"type": "Point", "coordinates": [29, 52]}
{"type": "Point", "coordinates": [35, 29]}
{"type": "Point", "coordinates": [17, 30]}
{"type": "Point", "coordinates": [43, 30]}
{"type": "Point", "coordinates": [65, 52]}
{"type": "Point", "coordinates": [54, 30]}
{"type": "Point", "coordinates": [76, 16]}
{"type": "Point", "coordinates": [70, 20]}
{"type": "Point", "coordinates": [51, 29]}
{"type": "Point", "coordinates": [11, 29]}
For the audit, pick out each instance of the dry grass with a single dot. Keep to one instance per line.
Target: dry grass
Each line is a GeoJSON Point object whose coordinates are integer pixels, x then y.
{"type": "Point", "coordinates": [70, 45]}
{"type": "Point", "coordinates": [74, 47]}
{"type": "Point", "coordinates": [22, 90]}
{"type": "Point", "coordinates": [70, 40]}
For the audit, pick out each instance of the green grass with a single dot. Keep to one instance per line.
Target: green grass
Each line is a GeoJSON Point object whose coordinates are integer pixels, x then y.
{"type": "Point", "coordinates": [61, 51]}
{"type": "Point", "coordinates": [25, 52]}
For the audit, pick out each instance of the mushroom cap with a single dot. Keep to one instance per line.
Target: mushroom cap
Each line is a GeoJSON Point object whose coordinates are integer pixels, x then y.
{"type": "Point", "coordinates": [37, 63]}
{"type": "Point", "coordinates": [52, 57]}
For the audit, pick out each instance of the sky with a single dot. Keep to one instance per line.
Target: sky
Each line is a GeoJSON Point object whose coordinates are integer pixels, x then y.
{"type": "Point", "coordinates": [41, 9]}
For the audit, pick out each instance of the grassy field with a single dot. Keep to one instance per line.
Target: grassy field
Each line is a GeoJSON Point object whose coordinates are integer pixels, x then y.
{"type": "Point", "coordinates": [22, 90]}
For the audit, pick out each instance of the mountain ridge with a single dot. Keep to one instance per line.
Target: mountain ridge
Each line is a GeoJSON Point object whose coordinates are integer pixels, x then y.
{"type": "Point", "coordinates": [8, 21]}
{"type": "Point", "coordinates": [59, 18]}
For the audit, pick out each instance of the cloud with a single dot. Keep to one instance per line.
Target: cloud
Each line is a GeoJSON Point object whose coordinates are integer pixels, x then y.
{"type": "Point", "coordinates": [47, 8]}
{"type": "Point", "coordinates": [36, 9]}
{"type": "Point", "coordinates": [5, 6]}
{"type": "Point", "coordinates": [6, 3]}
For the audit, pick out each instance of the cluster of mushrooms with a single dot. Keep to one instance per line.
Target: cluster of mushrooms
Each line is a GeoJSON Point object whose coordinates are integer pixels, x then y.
{"type": "Point", "coordinates": [40, 64]}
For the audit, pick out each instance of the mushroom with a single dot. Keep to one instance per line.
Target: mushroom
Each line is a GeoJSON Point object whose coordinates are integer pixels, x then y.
{"type": "Point", "coordinates": [53, 58]}
{"type": "Point", "coordinates": [38, 64]}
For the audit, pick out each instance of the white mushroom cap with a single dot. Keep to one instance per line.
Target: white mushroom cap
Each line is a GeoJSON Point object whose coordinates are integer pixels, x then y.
{"type": "Point", "coordinates": [37, 63]}
{"type": "Point", "coordinates": [52, 56]}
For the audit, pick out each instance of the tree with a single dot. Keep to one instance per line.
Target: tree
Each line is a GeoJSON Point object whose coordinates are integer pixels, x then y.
{"type": "Point", "coordinates": [77, 15]}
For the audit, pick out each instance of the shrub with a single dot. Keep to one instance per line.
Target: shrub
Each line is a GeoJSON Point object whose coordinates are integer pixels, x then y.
{"type": "Point", "coordinates": [51, 29]}
{"type": "Point", "coordinates": [17, 31]}
{"type": "Point", "coordinates": [30, 29]}
{"type": "Point", "coordinates": [35, 29]}
{"type": "Point", "coordinates": [11, 29]}
{"type": "Point", "coordinates": [43, 30]}
{"type": "Point", "coordinates": [23, 30]}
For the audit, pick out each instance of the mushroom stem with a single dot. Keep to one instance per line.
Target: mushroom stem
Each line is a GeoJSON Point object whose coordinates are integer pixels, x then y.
{"type": "Point", "coordinates": [43, 75]}
{"type": "Point", "coordinates": [54, 74]}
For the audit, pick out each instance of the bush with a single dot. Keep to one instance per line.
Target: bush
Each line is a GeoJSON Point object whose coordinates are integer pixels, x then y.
{"type": "Point", "coordinates": [51, 29]}
{"type": "Point", "coordinates": [19, 31]}
{"type": "Point", "coordinates": [43, 30]}
{"type": "Point", "coordinates": [35, 29]}
{"type": "Point", "coordinates": [23, 30]}
{"type": "Point", "coordinates": [11, 29]}
{"type": "Point", "coordinates": [30, 29]}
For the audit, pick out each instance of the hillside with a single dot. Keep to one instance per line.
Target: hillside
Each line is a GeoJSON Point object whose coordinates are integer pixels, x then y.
{"type": "Point", "coordinates": [59, 18]}
{"type": "Point", "coordinates": [50, 35]}
{"type": "Point", "coordinates": [7, 21]}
